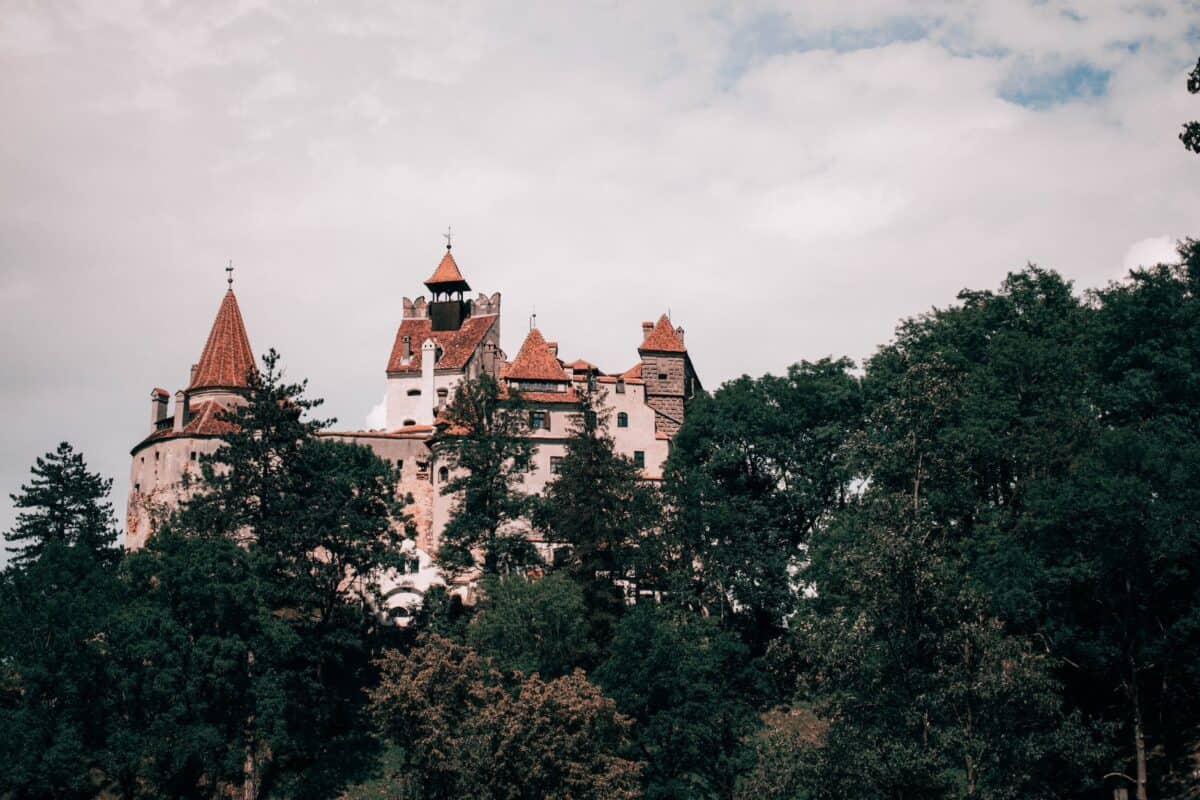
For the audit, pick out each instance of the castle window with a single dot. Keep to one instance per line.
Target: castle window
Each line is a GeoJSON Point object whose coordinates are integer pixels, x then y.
{"type": "Point", "coordinates": [556, 465]}
{"type": "Point", "coordinates": [137, 487]}
{"type": "Point", "coordinates": [639, 459]}
{"type": "Point", "coordinates": [539, 420]}
{"type": "Point", "coordinates": [193, 455]}
{"type": "Point", "coordinates": [443, 474]}
{"type": "Point", "coordinates": [662, 376]}
{"type": "Point", "coordinates": [620, 386]}
{"type": "Point", "coordinates": [399, 464]}
{"type": "Point", "coordinates": [414, 392]}
{"type": "Point", "coordinates": [408, 422]}
{"type": "Point", "coordinates": [622, 420]}
{"type": "Point", "coordinates": [156, 455]}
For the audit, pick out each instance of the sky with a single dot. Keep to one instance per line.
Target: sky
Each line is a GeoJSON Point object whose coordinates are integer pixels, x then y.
{"type": "Point", "coordinates": [789, 181]}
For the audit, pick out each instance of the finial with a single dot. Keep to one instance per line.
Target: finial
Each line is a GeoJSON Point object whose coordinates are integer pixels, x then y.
{"type": "Point", "coordinates": [229, 274]}
{"type": "Point", "coordinates": [446, 236]}
{"type": "Point", "coordinates": [533, 319]}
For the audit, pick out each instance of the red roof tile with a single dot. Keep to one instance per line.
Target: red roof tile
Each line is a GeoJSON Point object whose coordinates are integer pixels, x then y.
{"type": "Point", "coordinates": [633, 372]}
{"type": "Point", "coordinates": [535, 362]}
{"type": "Point", "coordinates": [663, 338]}
{"type": "Point", "coordinates": [569, 396]}
{"type": "Point", "coordinates": [457, 346]}
{"type": "Point", "coordinates": [227, 356]}
{"type": "Point", "coordinates": [447, 272]}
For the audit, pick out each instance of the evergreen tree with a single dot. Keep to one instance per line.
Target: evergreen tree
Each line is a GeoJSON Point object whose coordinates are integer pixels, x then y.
{"type": "Point", "coordinates": [604, 511]}
{"type": "Point", "coordinates": [63, 503]}
{"type": "Point", "coordinates": [1190, 136]}
{"type": "Point", "coordinates": [488, 454]}
{"type": "Point", "coordinates": [55, 598]}
{"type": "Point", "coordinates": [319, 521]}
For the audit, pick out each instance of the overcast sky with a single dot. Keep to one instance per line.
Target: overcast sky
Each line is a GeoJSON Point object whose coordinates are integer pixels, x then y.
{"type": "Point", "coordinates": [790, 181]}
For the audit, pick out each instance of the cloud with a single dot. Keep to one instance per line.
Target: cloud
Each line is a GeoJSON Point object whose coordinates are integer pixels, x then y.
{"type": "Point", "coordinates": [377, 416]}
{"type": "Point", "coordinates": [1149, 252]}
{"type": "Point", "coordinates": [790, 180]}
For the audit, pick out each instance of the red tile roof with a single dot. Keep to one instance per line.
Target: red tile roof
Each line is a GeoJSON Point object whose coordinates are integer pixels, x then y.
{"type": "Point", "coordinates": [204, 421]}
{"type": "Point", "coordinates": [457, 346]}
{"type": "Point", "coordinates": [447, 272]}
{"type": "Point", "coordinates": [579, 365]}
{"type": "Point", "coordinates": [569, 396]}
{"type": "Point", "coordinates": [663, 338]}
{"type": "Point", "coordinates": [227, 356]}
{"type": "Point", "coordinates": [633, 372]}
{"type": "Point", "coordinates": [535, 362]}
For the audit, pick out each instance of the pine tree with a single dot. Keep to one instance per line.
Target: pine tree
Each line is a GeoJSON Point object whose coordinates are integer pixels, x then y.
{"type": "Point", "coordinates": [604, 511]}
{"type": "Point", "coordinates": [63, 504]}
{"type": "Point", "coordinates": [488, 454]}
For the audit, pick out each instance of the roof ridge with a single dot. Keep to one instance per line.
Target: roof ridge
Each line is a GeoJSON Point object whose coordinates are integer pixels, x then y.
{"type": "Point", "coordinates": [535, 361]}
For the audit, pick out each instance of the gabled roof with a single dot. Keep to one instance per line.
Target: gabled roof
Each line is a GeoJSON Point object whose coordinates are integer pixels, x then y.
{"type": "Point", "coordinates": [535, 361]}
{"type": "Point", "coordinates": [447, 277]}
{"type": "Point", "coordinates": [457, 346]}
{"type": "Point", "coordinates": [227, 356]}
{"type": "Point", "coordinates": [663, 338]}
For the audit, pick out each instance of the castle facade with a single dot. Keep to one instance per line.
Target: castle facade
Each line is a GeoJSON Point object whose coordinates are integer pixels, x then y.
{"type": "Point", "coordinates": [440, 342]}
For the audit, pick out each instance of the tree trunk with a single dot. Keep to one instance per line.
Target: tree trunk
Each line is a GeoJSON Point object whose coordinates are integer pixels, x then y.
{"type": "Point", "coordinates": [1139, 742]}
{"type": "Point", "coordinates": [249, 766]}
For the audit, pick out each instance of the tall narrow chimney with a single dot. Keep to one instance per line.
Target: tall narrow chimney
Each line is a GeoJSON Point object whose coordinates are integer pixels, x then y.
{"type": "Point", "coordinates": [181, 410]}
{"type": "Point", "coordinates": [158, 406]}
{"type": "Point", "coordinates": [646, 328]}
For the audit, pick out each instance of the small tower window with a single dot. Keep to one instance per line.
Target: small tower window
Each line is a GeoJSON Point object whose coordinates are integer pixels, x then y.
{"type": "Point", "coordinates": [622, 420]}
{"type": "Point", "coordinates": [620, 386]}
{"type": "Point", "coordinates": [662, 376]}
{"type": "Point", "coordinates": [639, 459]}
{"type": "Point", "coordinates": [414, 392]}
{"type": "Point", "coordinates": [443, 474]}
{"type": "Point", "coordinates": [193, 455]}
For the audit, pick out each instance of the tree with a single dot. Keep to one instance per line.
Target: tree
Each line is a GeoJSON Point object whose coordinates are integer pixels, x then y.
{"type": "Point", "coordinates": [1190, 136]}
{"type": "Point", "coordinates": [486, 449]}
{"type": "Point", "coordinates": [465, 734]}
{"type": "Point", "coordinates": [529, 626]}
{"type": "Point", "coordinates": [319, 522]}
{"type": "Point", "coordinates": [691, 689]}
{"type": "Point", "coordinates": [753, 470]}
{"type": "Point", "coordinates": [63, 503]}
{"type": "Point", "coordinates": [600, 507]}
{"type": "Point", "coordinates": [55, 598]}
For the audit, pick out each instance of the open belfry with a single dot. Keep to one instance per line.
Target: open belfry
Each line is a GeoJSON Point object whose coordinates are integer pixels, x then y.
{"type": "Point", "coordinates": [441, 342]}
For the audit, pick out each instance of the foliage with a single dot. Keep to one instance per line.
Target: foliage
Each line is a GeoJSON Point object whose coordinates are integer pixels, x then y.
{"type": "Point", "coordinates": [753, 470]}
{"type": "Point", "coordinates": [785, 754]}
{"type": "Point", "coordinates": [1190, 136]}
{"type": "Point", "coordinates": [604, 511]}
{"type": "Point", "coordinates": [691, 689]}
{"type": "Point", "coordinates": [63, 503]}
{"type": "Point", "coordinates": [488, 455]}
{"type": "Point", "coordinates": [465, 734]}
{"type": "Point", "coordinates": [536, 625]}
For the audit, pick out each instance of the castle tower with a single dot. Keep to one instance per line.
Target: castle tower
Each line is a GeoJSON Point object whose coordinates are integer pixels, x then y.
{"type": "Point", "coordinates": [440, 342]}
{"type": "Point", "coordinates": [667, 372]}
{"type": "Point", "coordinates": [177, 441]}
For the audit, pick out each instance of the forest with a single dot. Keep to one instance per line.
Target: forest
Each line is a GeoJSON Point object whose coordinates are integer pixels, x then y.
{"type": "Point", "coordinates": [966, 568]}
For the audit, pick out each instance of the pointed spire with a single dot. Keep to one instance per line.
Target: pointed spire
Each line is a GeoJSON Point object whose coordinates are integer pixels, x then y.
{"type": "Point", "coordinates": [663, 337]}
{"type": "Point", "coordinates": [447, 277]}
{"type": "Point", "coordinates": [536, 361]}
{"type": "Point", "coordinates": [227, 356]}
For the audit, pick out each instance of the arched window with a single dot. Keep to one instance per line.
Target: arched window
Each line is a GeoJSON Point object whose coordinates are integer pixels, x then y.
{"type": "Point", "coordinates": [443, 475]}
{"type": "Point", "coordinates": [622, 420]}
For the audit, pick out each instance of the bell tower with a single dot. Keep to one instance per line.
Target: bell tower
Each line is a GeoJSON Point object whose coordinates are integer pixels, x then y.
{"type": "Point", "coordinates": [447, 307]}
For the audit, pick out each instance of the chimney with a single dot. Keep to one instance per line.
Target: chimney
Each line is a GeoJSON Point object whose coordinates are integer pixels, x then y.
{"type": "Point", "coordinates": [646, 328]}
{"type": "Point", "coordinates": [553, 348]}
{"type": "Point", "coordinates": [181, 409]}
{"type": "Point", "coordinates": [407, 352]}
{"type": "Point", "coordinates": [193, 378]}
{"type": "Point", "coordinates": [158, 407]}
{"type": "Point", "coordinates": [679, 333]}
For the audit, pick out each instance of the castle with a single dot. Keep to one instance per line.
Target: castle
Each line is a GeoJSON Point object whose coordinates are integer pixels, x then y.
{"type": "Point", "coordinates": [441, 342]}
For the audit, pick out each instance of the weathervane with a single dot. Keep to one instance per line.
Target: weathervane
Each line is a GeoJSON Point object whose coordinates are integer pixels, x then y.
{"type": "Point", "coordinates": [229, 274]}
{"type": "Point", "coordinates": [446, 236]}
{"type": "Point", "coordinates": [533, 319]}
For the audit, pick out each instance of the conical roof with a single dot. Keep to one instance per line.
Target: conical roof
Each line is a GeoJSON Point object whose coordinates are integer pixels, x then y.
{"type": "Point", "coordinates": [663, 338]}
{"type": "Point", "coordinates": [535, 362]}
{"type": "Point", "coordinates": [447, 277]}
{"type": "Point", "coordinates": [227, 357]}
